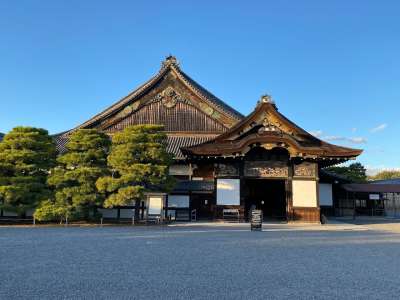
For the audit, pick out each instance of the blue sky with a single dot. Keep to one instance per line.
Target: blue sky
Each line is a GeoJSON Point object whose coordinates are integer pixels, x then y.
{"type": "Point", "coordinates": [333, 67]}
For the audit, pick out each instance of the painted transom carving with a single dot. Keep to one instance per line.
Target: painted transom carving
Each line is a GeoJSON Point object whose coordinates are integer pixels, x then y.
{"type": "Point", "coordinates": [305, 170]}
{"type": "Point", "coordinates": [265, 169]}
{"type": "Point", "coordinates": [227, 170]}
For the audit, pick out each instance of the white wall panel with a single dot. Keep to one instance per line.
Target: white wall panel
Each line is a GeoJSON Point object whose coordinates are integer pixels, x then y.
{"type": "Point", "coordinates": [228, 191]}
{"type": "Point", "coordinates": [304, 193]}
{"type": "Point", "coordinates": [325, 194]}
{"type": "Point", "coordinates": [155, 205]}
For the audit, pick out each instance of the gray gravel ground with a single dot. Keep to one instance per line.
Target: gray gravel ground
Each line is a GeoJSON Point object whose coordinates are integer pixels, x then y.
{"type": "Point", "coordinates": [198, 263]}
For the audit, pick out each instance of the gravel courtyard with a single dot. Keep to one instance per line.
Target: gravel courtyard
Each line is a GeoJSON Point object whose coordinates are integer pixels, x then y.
{"type": "Point", "coordinates": [199, 262]}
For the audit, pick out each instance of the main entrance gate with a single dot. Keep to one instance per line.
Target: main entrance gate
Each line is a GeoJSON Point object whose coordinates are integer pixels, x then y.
{"type": "Point", "coordinates": [268, 195]}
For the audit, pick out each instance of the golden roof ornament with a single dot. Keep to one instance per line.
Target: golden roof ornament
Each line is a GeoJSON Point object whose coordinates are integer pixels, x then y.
{"type": "Point", "coordinates": [170, 60]}
{"type": "Point", "coordinates": [267, 99]}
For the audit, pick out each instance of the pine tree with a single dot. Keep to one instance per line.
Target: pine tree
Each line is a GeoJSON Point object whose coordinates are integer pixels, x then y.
{"type": "Point", "coordinates": [26, 156]}
{"type": "Point", "coordinates": [355, 172]}
{"type": "Point", "coordinates": [74, 179]}
{"type": "Point", "coordinates": [140, 163]}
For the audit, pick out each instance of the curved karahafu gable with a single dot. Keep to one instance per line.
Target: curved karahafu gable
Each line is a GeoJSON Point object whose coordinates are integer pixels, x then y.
{"type": "Point", "coordinates": [191, 114]}
{"type": "Point", "coordinates": [267, 128]}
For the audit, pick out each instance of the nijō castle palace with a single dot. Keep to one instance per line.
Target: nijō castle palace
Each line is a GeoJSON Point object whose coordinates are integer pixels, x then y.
{"type": "Point", "coordinates": [225, 163]}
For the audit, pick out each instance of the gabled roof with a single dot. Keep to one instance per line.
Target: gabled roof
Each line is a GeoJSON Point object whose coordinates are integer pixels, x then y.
{"type": "Point", "coordinates": [203, 101]}
{"type": "Point", "coordinates": [266, 127]}
{"type": "Point", "coordinates": [169, 65]}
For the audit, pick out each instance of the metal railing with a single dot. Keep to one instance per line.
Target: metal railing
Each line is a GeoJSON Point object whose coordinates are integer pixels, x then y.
{"type": "Point", "coordinates": [193, 215]}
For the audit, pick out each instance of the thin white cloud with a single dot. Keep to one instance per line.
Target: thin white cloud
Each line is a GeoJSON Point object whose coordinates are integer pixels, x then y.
{"type": "Point", "coordinates": [354, 129]}
{"type": "Point", "coordinates": [334, 138]}
{"type": "Point", "coordinates": [316, 133]}
{"type": "Point", "coordinates": [353, 140]}
{"type": "Point", "coordinates": [357, 140]}
{"type": "Point", "coordinates": [379, 128]}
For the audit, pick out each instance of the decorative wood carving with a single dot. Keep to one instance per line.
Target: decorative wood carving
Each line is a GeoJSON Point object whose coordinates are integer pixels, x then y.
{"type": "Point", "coordinates": [226, 170]}
{"type": "Point", "coordinates": [181, 117]}
{"type": "Point", "coordinates": [305, 169]}
{"type": "Point", "coordinates": [265, 169]}
{"type": "Point", "coordinates": [206, 108]}
{"type": "Point", "coordinates": [170, 96]}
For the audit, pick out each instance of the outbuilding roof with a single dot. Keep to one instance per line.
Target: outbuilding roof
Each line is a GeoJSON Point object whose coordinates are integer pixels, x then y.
{"type": "Point", "coordinates": [386, 181]}
{"type": "Point", "coordinates": [372, 188]}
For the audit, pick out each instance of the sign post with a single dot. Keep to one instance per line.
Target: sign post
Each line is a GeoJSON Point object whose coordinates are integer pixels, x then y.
{"type": "Point", "coordinates": [256, 218]}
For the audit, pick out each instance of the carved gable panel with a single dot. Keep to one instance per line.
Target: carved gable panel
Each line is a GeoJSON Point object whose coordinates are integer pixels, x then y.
{"type": "Point", "coordinates": [172, 104]}
{"type": "Point", "coordinates": [177, 117]}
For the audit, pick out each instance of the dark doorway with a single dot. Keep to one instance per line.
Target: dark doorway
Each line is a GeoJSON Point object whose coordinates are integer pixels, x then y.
{"type": "Point", "coordinates": [269, 195]}
{"type": "Point", "coordinates": [203, 204]}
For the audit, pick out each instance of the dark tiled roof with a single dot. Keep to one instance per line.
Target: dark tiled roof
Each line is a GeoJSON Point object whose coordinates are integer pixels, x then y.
{"type": "Point", "coordinates": [386, 181]}
{"type": "Point", "coordinates": [327, 176]}
{"type": "Point", "coordinates": [174, 143]}
{"type": "Point", "coordinates": [194, 186]}
{"type": "Point", "coordinates": [1, 136]}
{"type": "Point", "coordinates": [372, 188]}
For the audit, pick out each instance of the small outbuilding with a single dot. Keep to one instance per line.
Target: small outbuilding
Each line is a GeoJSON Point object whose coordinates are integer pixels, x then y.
{"type": "Point", "coordinates": [371, 199]}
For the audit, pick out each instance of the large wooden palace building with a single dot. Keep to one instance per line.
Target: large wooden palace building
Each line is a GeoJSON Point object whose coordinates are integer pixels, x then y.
{"type": "Point", "coordinates": [225, 163]}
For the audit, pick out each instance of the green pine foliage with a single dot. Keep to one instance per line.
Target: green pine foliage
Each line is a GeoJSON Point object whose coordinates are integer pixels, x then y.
{"type": "Point", "coordinates": [139, 162]}
{"type": "Point", "coordinates": [26, 156]}
{"type": "Point", "coordinates": [355, 172]}
{"type": "Point", "coordinates": [74, 179]}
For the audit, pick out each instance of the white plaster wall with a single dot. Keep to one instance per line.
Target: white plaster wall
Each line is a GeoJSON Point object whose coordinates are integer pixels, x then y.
{"type": "Point", "coordinates": [304, 193]}
{"type": "Point", "coordinates": [325, 194]}
{"type": "Point", "coordinates": [155, 205]}
{"type": "Point", "coordinates": [228, 191]}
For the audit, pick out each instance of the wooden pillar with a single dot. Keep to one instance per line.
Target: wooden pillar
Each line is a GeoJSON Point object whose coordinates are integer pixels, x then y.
{"type": "Point", "coordinates": [289, 193]}
{"type": "Point", "coordinates": [166, 208]}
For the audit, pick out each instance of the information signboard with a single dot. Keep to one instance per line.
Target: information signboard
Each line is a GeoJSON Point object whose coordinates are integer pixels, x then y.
{"type": "Point", "coordinates": [256, 217]}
